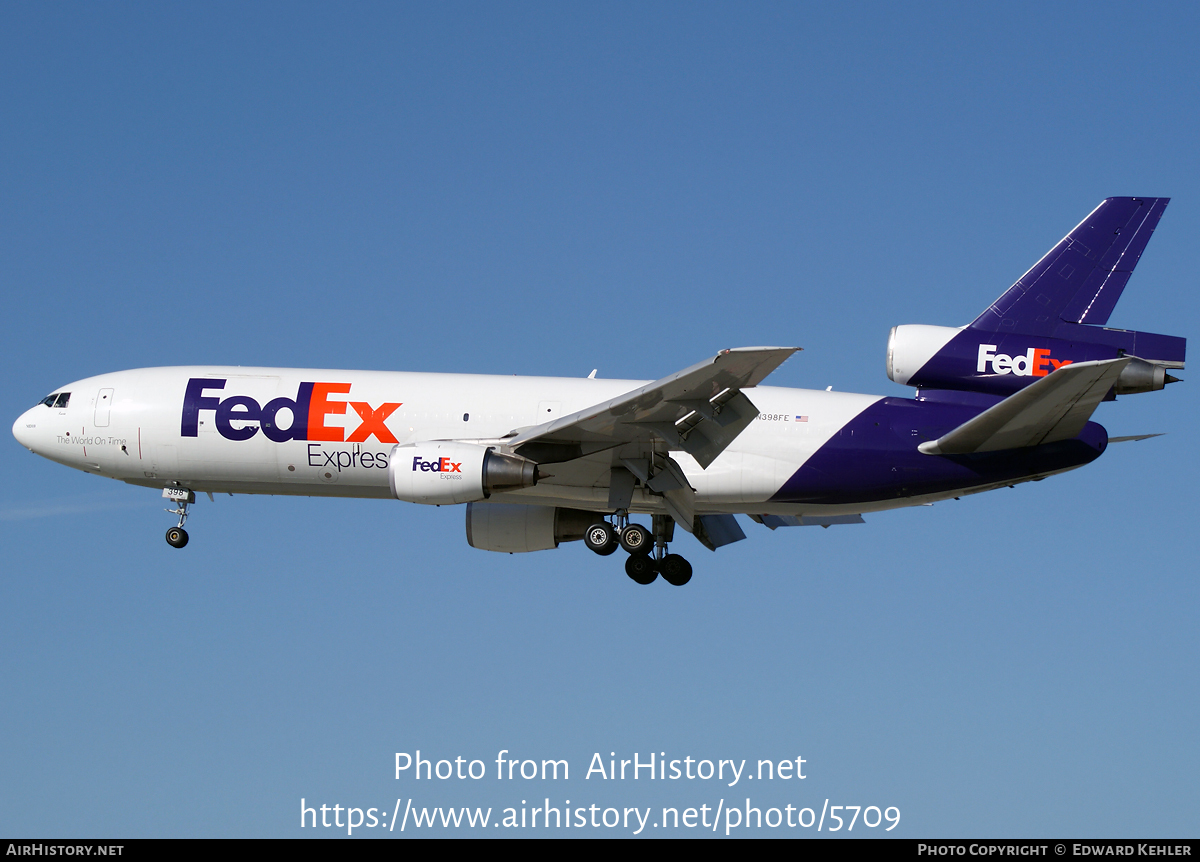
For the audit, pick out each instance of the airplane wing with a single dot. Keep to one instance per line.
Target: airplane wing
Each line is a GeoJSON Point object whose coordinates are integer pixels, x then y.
{"type": "Point", "coordinates": [699, 410]}
{"type": "Point", "coordinates": [1055, 408]}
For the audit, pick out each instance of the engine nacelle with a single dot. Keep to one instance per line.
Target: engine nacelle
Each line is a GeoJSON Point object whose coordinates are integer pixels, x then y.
{"type": "Point", "coordinates": [1001, 363]}
{"type": "Point", "coordinates": [1142, 376]}
{"type": "Point", "coordinates": [911, 346]}
{"type": "Point", "coordinates": [513, 529]}
{"type": "Point", "coordinates": [445, 472]}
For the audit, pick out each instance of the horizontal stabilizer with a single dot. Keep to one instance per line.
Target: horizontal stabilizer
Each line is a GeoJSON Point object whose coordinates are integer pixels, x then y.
{"type": "Point", "coordinates": [1055, 408]}
{"type": "Point", "coordinates": [1133, 438]}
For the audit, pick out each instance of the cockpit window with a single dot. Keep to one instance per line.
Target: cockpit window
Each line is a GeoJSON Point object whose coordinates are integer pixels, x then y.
{"type": "Point", "coordinates": [49, 400]}
{"type": "Point", "coordinates": [64, 398]}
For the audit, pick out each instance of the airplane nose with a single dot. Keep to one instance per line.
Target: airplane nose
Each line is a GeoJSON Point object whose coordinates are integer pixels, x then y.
{"type": "Point", "coordinates": [25, 430]}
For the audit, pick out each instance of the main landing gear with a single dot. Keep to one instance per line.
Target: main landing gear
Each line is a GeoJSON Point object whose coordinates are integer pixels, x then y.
{"type": "Point", "coordinates": [177, 536]}
{"type": "Point", "coordinates": [648, 557]}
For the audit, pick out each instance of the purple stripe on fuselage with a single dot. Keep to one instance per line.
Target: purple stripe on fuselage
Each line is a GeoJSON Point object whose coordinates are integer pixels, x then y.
{"type": "Point", "coordinates": [874, 457]}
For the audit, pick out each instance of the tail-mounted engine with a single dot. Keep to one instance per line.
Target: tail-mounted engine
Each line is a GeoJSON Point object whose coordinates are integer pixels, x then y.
{"type": "Point", "coordinates": [1054, 315]}
{"type": "Point", "coordinates": [943, 357]}
{"type": "Point", "coordinates": [440, 473]}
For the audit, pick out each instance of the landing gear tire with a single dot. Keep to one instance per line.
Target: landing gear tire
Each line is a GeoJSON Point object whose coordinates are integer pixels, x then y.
{"type": "Point", "coordinates": [601, 538]}
{"type": "Point", "coordinates": [177, 537]}
{"type": "Point", "coordinates": [675, 570]}
{"type": "Point", "coordinates": [636, 539]}
{"type": "Point", "coordinates": [641, 569]}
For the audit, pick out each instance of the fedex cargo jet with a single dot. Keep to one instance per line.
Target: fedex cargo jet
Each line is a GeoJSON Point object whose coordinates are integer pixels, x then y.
{"type": "Point", "coordinates": [542, 460]}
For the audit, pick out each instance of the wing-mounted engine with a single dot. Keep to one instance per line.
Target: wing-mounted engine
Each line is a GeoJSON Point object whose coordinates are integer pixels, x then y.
{"type": "Point", "coordinates": [447, 472]}
{"type": "Point", "coordinates": [511, 528]}
{"type": "Point", "coordinates": [1053, 316]}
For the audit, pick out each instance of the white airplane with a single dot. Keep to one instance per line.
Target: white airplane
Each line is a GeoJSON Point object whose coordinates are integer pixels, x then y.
{"type": "Point", "coordinates": [541, 460]}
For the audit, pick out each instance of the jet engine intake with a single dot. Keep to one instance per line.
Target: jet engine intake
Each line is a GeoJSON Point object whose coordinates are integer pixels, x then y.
{"type": "Point", "coordinates": [912, 345]}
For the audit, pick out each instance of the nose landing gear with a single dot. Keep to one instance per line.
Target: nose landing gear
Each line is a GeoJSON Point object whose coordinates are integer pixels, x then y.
{"type": "Point", "coordinates": [648, 557]}
{"type": "Point", "coordinates": [177, 536]}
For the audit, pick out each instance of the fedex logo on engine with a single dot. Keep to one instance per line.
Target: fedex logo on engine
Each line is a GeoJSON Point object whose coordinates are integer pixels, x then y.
{"type": "Point", "coordinates": [308, 411]}
{"type": "Point", "coordinates": [1035, 362]}
{"type": "Point", "coordinates": [441, 465]}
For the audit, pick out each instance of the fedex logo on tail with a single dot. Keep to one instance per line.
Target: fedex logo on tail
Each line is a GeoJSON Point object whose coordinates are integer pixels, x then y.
{"type": "Point", "coordinates": [308, 410]}
{"type": "Point", "coordinates": [1035, 362]}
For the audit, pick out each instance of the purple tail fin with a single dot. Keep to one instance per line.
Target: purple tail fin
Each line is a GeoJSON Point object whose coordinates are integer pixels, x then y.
{"type": "Point", "coordinates": [1054, 315]}
{"type": "Point", "coordinates": [1081, 278]}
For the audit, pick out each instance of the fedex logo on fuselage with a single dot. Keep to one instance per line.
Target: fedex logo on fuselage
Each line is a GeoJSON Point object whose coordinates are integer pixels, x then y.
{"type": "Point", "coordinates": [308, 411]}
{"type": "Point", "coordinates": [1035, 362]}
{"type": "Point", "coordinates": [441, 465]}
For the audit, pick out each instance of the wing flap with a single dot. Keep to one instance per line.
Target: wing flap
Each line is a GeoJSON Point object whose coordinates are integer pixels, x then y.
{"type": "Point", "coordinates": [716, 531]}
{"type": "Point", "coordinates": [1055, 408]}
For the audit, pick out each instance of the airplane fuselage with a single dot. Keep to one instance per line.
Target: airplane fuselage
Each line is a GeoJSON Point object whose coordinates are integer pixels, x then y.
{"type": "Point", "coordinates": [321, 432]}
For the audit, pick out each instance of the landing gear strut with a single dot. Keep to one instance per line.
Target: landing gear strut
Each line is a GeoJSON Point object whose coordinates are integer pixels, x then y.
{"type": "Point", "coordinates": [177, 536]}
{"type": "Point", "coordinates": [675, 570]}
{"type": "Point", "coordinates": [648, 557]}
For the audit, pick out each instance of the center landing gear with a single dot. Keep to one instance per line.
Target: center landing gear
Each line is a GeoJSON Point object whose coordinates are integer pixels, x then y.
{"type": "Point", "coordinates": [675, 570]}
{"type": "Point", "coordinates": [177, 536]}
{"type": "Point", "coordinates": [641, 568]}
{"type": "Point", "coordinates": [648, 557]}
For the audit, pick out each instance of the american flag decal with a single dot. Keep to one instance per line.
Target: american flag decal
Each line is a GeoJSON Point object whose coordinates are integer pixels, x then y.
{"type": "Point", "coordinates": [801, 418]}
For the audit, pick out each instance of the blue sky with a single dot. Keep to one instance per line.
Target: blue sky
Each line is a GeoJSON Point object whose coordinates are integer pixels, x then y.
{"type": "Point", "coordinates": [547, 189]}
